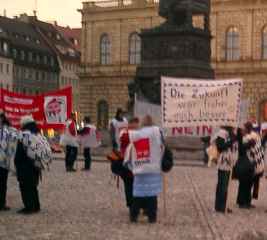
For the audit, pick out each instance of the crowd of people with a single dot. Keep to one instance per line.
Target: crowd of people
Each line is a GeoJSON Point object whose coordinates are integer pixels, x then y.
{"type": "Point", "coordinates": [86, 137]}
{"type": "Point", "coordinates": [241, 157]}
{"type": "Point", "coordinates": [139, 156]}
{"type": "Point", "coordinates": [30, 152]}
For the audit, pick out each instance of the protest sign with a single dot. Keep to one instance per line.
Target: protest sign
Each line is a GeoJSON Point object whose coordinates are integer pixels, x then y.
{"type": "Point", "coordinates": [191, 102]}
{"type": "Point", "coordinates": [50, 110]}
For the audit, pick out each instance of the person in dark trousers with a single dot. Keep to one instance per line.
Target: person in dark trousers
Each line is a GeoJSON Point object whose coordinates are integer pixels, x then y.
{"type": "Point", "coordinates": [119, 169]}
{"type": "Point", "coordinates": [255, 153]}
{"type": "Point", "coordinates": [27, 174]}
{"type": "Point", "coordinates": [227, 147]}
{"type": "Point", "coordinates": [71, 143]}
{"type": "Point", "coordinates": [88, 138]}
{"type": "Point", "coordinates": [147, 149]}
{"type": "Point", "coordinates": [246, 177]}
{"type": "Point", "coordinates": [4, 161]}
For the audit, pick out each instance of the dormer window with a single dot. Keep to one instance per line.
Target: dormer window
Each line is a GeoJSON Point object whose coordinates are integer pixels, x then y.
{"type": "Point", "coordinates": [58, 36]}
{"type": "Point", "coordinates": [37, 41]}
{"type": "Point", "coordinates": [27, 38]}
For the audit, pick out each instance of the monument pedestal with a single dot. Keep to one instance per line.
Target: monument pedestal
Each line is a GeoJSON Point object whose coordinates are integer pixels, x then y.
{"type": "Point", "coordinates": [182, 52]}
{"type": "Point", "coordinates": [175, 48]}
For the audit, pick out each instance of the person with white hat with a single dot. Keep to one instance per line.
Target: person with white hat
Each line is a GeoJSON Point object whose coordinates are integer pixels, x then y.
{"type": "Point", "coordinates": [33, 153]}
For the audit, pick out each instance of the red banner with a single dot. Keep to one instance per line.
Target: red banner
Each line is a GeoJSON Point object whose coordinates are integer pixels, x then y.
{"type": "Point", "coordinates": [50, 110]}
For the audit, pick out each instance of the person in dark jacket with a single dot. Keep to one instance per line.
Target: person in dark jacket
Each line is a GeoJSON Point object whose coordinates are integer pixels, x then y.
{"type": "Point", "coordinates": [227, 146]}
{"type": "Point", "coordinates": [27, 174]}
{"type": "Point", "coordinates": [244, 196]}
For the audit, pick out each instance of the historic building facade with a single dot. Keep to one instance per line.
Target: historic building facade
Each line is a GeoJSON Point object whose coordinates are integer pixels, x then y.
{"type": "Point", "coordinates": [111, 50]}
{"type": "Point", "coordinates": [36, 57]}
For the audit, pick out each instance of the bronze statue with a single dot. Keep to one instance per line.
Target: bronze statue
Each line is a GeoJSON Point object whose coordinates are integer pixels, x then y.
{"type": "Point", "coordinates": [179, 12]}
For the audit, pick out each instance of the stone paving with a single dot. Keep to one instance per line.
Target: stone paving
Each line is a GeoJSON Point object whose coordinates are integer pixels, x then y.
{"type": "Point", "coordinates": [88, 206]}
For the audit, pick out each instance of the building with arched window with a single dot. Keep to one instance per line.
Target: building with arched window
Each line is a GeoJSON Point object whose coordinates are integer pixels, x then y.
{"type": "Point", "coordinates": [105, 50]}
{"type": "Point", "coordinates": [238, 48]}
{"type": "Point", "coordinates": [134, 48]}
{"type": "Point", "coordinates": [232, 44]}
{"type": "Point", "coordinates": [102, 114]}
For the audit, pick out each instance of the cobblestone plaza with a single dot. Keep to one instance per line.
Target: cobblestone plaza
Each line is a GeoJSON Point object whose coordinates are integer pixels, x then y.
{"type": "Point", "coordinates": [88, 205]}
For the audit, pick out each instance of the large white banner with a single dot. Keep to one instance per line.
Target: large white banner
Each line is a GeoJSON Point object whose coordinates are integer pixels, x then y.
{"type": "Point", "coordinates": [191, 102]}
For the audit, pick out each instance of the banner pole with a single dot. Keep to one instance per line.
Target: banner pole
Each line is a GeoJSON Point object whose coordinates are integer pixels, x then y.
{"type": "Point", "coordinates": [229, 191]}
{"type": "Point", "coordinates": [164, 195]}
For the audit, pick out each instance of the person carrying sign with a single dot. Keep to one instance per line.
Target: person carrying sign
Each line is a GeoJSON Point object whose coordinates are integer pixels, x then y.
{"type": "Point", "coordinates": [88, 138]}
{"type": "Point", "coordinates": [227, 146]}
{"type": "Point", "coordinates": [143, 157]}
{"type": "Point", "coordinates": [70, 141]}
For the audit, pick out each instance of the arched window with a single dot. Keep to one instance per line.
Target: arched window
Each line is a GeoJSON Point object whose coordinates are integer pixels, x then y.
{"type": "Point", "coordinates": [105, 50]}
{"type": "Point", "coordinates": [232, 44]}
{"type": "Point", "coordinates": [134, 49]}
{"type": "Point", "coordinates": [264, 43]}
{"type": "Point", "coordinates": [102, 114]}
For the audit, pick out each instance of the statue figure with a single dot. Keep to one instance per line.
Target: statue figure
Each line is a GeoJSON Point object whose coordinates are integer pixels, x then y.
{"type": "Point", "coordinates": [179, 12]}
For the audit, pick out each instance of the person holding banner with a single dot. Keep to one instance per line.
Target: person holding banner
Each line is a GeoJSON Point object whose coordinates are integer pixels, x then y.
{"type": "Point", "coordinates": [8, 143]}
{"type": "Point", "coordinates": [144, 157]}
{"type": "Point", "coordinates": [70, 141]}
{"type": "Point", "coordinates": [116, 126]}
{"type": "Point", "coordinates": [227, 146]}
{"type": "Point", "coordinates": [88, 138]}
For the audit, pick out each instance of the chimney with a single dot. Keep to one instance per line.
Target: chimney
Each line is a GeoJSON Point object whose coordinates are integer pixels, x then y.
{"type": "Point", "coordinates": [4, 12]}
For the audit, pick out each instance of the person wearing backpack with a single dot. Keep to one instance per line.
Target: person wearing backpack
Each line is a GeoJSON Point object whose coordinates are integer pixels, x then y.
{"type": "Point", "coordinates": [33, 152]}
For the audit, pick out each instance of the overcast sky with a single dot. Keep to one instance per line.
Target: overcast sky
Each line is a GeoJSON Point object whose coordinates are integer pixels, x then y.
{"type": "Point", "coordinates": [62, 11]}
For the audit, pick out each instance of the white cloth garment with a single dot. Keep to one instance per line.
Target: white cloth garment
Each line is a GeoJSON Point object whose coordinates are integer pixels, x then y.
{"type": "Point", "coordinates": [144, 154]}
{"type": "Point", "coordinates": [118, 127]}
{"type": "Point", "coordinates": [90, 139]}
{"type": "Point", "coordinates": [67, 139]}
{"type": "Point", "coordinates": [227, 159]}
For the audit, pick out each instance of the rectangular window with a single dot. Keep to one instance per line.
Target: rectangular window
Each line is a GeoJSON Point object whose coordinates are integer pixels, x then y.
{"type": "Point", "coordinates": [7, 68]}
{"type": "Point", "coordinates": [1, 67]}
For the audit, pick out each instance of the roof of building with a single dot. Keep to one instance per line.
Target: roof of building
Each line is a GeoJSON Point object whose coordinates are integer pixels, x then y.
{"type": "Point", "coordinates": [23, 35]}
{"type": "Point", "coordinates": [72, 34]}
{"type": "Point", "coordinates": [57, 40]}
